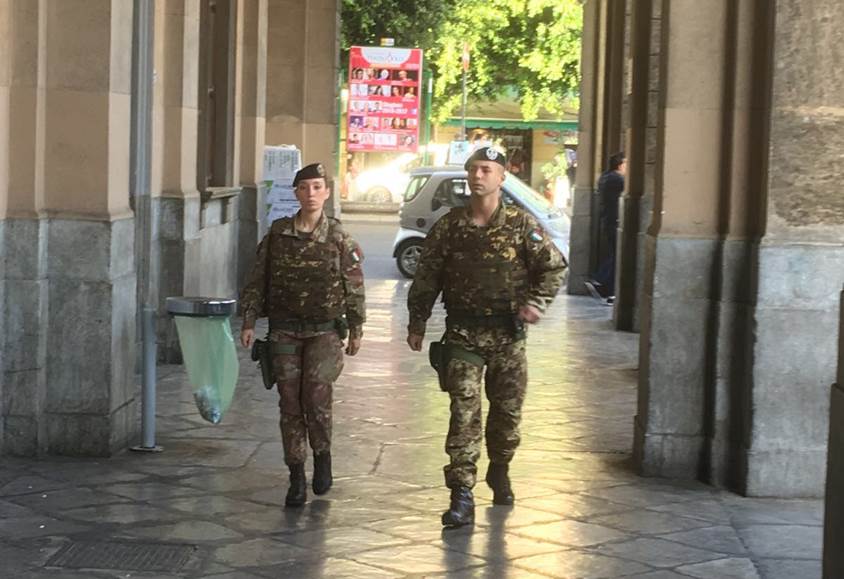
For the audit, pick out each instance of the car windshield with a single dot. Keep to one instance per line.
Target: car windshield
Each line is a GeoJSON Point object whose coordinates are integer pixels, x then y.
{"type": "Point", "coordinates": [530, 198]}
{"type": "Point", "coordinates": [414, 186]}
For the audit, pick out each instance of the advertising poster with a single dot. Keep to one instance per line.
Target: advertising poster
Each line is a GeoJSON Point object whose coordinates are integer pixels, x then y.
{"type": "Point", "coordinates": [384, 102]}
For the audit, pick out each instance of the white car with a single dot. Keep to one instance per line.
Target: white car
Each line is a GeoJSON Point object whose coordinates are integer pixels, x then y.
{"type": "Point", "coordinates": [385, 183]}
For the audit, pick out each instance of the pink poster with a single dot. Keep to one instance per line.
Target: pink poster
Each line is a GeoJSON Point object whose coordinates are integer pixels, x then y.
{"type": "Point", "coordinates": [384, 103]}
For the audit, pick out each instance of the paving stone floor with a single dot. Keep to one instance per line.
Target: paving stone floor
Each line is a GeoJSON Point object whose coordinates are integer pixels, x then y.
{"type": "Point", "coordinates": [581, 512]}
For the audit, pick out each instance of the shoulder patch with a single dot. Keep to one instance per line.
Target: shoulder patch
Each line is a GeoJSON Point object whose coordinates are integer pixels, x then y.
{"type": "Point", "coordinates": [536, 234]}
{"type": "Point", "coordinates": [355, 255]}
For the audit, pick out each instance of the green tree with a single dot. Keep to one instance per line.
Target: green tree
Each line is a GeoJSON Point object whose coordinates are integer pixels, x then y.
{"type": "Point", "coordinates": [413, 24]}
{"type": "Point", "coordinates": [532, 46]}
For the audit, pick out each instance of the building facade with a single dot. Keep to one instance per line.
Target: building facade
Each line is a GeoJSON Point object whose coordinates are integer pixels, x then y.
{"type": "Point", "coordinates": [131, 139]}
{"type": "Point", "coordinates": [730, 252]}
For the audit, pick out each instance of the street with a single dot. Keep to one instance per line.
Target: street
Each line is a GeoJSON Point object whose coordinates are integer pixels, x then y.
{"type": "Point", "coordinates": [375, 234]}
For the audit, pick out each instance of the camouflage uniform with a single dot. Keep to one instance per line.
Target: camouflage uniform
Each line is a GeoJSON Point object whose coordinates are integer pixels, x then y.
{"type": "Point", "coordinates": [485, 275]}
{"type": "Point", "coordinates": [304, 282]}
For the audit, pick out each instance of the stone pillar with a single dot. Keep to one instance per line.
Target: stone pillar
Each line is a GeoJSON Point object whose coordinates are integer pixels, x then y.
{"type": "Point", "coordinates": [800, 264]}
{"type": "Point", "coordinates": [68, 240]}
{"type": "Point", "coordinates": [177, 62]}
{"type": "Point", "coordinates": [682, 243]}
{"type": "Point", "coordinates": [742, 185]}
{"type": "Point", "coordinates": [580, 252]}
{"type": "Point", "coordinates": [833, 557]}
{"type": "Point", "coordinates": [23, 231]}
{"type": "Point", "coordinates": [627, 271]}
{"type": "Point", "coordinates": [252, 71]}
{"type": "Point", "coordinates": [302, 71]}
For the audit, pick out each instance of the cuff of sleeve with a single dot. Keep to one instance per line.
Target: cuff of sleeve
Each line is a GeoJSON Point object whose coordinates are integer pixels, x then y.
{"type": "Point", "coordinates": [355, 332]}
{"type": "Point", "coordinates": [538, 303]}
{"type": "Point", "coordinates": [249, 318]}
{"type": "Point", "coordinates": [416, 327]}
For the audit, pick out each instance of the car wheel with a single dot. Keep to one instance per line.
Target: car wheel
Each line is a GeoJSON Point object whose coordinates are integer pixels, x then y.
{"type": "Point", "coordinates": [407, 257]}
{"type": "Point", "coordinates": [379, 195]}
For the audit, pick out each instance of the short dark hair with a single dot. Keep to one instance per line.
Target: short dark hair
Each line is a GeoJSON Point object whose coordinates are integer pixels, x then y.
{"type": "Point", "coordinates": [616, 160]}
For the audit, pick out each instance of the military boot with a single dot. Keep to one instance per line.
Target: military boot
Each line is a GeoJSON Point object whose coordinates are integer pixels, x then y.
{"type": "Point", "coordinates": [322, 473]}
{"type": "Point", "coordinates": [298, 491]}
{"type": "Point", "coordinates": [462, 509]}
{"type": "Point", "coordinates": [499, 481]}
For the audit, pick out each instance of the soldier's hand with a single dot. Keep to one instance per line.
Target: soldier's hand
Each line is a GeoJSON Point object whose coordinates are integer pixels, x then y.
{"type": "Point", "coordinates": [247, 337]}
{"type": "Point", "coordinates": [353, 346]}
{"type": "Point", "coordinates": [415, 342]}
{"type": "Point", "coordinates": [529, 314]}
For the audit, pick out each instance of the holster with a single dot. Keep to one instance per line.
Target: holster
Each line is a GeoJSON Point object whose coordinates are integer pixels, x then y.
{"type": "Point", "coordinates": [261, 353]}
{"type": "Point", "coordinates": [441, 353]}
{"type": "Point", "coordinates": [342, 327]}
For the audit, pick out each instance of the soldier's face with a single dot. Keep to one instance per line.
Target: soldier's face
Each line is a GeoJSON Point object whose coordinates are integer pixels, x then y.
{"type": "Point", "coordinates": [485, 177]}
{"type": "Point", "coordinates": [312, 193]}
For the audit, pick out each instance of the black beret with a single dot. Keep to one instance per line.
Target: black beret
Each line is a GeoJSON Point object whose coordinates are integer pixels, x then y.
{"type": "Point", "coordinates": [486, 154]}
{"type": "Point", "coordinates": [312, 171]}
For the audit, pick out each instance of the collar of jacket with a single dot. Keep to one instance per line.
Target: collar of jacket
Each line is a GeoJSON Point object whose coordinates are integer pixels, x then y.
{"type": "Point", "coordinates": [319, 234]}
{"type": "Point", "coordinates": [499, 216]}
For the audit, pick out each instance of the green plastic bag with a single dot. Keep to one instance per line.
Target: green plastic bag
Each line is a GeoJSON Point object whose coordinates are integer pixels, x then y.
{"type": "Point", "coordinates": [211, 360]}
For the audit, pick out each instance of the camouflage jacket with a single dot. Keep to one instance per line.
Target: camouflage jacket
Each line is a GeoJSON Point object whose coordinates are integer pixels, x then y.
{"type": "Point", "coordinates": [314, 277]}
{"type": "Point", "coordinates": [488, 270]}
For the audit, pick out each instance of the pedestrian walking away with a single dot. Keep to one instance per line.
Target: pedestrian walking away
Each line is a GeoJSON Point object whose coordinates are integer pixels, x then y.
{"type": "Point", "coordinates": [308, 280]}
{"type": "Point", "coordinates": [497, 271]}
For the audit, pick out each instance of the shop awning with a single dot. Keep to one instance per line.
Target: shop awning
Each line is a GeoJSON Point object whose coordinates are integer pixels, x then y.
{"type": "Point", "coordinates": [487, 123]}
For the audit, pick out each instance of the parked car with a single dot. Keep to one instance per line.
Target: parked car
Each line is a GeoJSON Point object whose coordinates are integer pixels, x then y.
{"type": "Point", "coordinates": [384, 183]}
{"type": "Point", "coordinates": [433, 191]}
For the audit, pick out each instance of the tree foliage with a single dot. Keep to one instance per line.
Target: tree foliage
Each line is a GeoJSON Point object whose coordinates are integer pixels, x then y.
{"type": "Point", "coordinates": [531, 47]}
{"type": "Point", "coordinates": [412, 23]}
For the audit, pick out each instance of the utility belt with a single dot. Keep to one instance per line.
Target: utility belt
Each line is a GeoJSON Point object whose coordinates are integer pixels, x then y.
{"type": "Point", "coordinates": [510, 322]}
{"type": "Point", "coordinates": [304, 326]}
{"type": "Point", "coordinates": [263, 351]}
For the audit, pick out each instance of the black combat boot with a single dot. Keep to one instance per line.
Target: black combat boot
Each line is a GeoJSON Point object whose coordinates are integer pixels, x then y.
{"type": "Point", "coordinates": [499, 481]}
{"type": "Point", "coordinates": [298, 491]}
{"type": "Point", "coordinates": [322, 473]}
{"type": "Point", "coordinates": [462, 509]}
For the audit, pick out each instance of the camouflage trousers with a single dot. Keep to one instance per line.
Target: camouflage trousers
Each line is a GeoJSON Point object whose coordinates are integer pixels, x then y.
{"type": "Point", "coordinates": [305, 369]}
{"type": "Point", "coordinates": [505, 383]}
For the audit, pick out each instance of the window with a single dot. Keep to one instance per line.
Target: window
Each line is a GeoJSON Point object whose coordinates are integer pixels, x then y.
{"type": "Point", "coordinates": [453, 193]}
{"type": "Point", "coordinates": [414, 186]}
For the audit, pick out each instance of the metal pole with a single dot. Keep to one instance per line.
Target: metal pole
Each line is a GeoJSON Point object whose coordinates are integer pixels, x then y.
{"type": "Point", "coordinates": [428, 77]}
{"type": "Point", "coordinates": [463, 135]}
{"type": "Point", "coordinates": [141, 150]}
{"type": "Point", "coordinates": [149, 390]}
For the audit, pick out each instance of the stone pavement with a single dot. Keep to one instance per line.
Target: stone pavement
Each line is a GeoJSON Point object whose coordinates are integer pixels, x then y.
{"type": "Point", "coordinates": [210, 504]}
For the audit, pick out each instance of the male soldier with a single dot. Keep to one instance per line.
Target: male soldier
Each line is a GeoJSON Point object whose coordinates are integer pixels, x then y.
{"type": "Point", "coordinates": [308, 280]}
{"type": "Point", "coordinates": [497, 270]}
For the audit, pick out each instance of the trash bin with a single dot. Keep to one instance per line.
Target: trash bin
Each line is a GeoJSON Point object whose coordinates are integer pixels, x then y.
{"type": "Point", "coordinates": [208, 349]}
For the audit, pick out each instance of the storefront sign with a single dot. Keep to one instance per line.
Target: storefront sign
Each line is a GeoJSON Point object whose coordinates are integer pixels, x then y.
{"type": "Point", "coordinates": [383, 111]}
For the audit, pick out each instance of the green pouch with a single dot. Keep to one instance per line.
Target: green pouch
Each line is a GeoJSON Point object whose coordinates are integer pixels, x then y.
{"type": "Point", "coordinates": [210, 358]}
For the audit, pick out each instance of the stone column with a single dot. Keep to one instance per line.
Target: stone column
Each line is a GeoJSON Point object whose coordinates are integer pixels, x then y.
{"type": "Point", "coordinates": [177, 65]}
{"type": "Point", "coordinates": [746, 68]}
{"type": "Point", "coordinates": [627, 271]}
{"type": "Point", "coordinates": [252, 80]}
{"type": "Point", "coordinates": [302, 65]}
{"type": "Point", "coordinates": [23, 231]}
{"type": "Point", "coordinates": [84, 61]}
{"type": "Point", "coordinates": [682, 243]}
{"type": "Point", "coordinates": [580, 252]}
{"type": "Point", "coordinates": [833, 557]}
{"type": "Point", "coordinates": [800, 264]}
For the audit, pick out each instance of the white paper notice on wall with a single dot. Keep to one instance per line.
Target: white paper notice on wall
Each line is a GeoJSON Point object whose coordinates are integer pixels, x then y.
{"type": "Point", "coordinates": [281, 162]}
